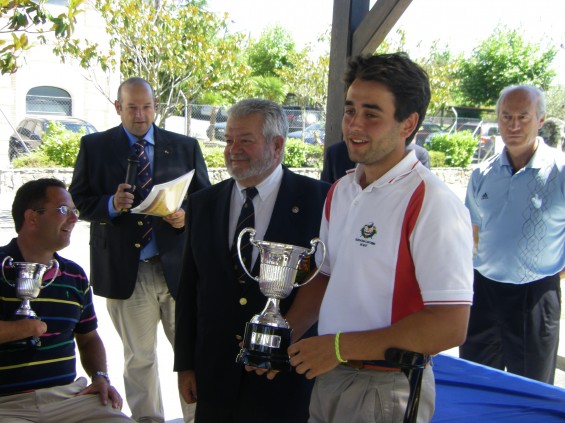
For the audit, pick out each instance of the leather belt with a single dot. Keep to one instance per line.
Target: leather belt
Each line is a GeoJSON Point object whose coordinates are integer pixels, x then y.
{"type": "Point", "coordinates": [152, 260]}
{"type": "Point", "coordinates": [379, 365]}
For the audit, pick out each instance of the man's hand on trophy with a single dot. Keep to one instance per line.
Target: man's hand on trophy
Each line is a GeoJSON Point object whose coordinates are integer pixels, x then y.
{"type": "Point", "coordinates": [187, 385]}
{"type": "Point", "coordinates": [269, 373]}
{"type": "Point", "coordinates": [314, 356]}
{"type": "Point", "coordinates": [15, 330]}
{"type": "Point", "coordinates": [123, 199]}
{"type": "Point", "coordinates": [34, 327]}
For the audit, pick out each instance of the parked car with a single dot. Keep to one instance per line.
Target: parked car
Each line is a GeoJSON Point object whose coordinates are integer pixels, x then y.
{"type": "Point", "coordinates": [313, 134]}
{"type": "Point", "coordinates": [423, 134]}
{"type": "Point", "coordinates": [32, 129]}
{"type": "Point", "coordinates": [298, 118]}
{"type": "Point", "coordinates": [219, 131]}
{"type": "Point", "coordinates": [489, 141]}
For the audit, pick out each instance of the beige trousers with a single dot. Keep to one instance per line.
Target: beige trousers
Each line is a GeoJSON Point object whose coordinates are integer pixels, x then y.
{"type": "Point", "coordinates": [59, 404]}
{"type": "Point", "coordinates": [346, 394]}
{"type": "Point", "coordinates": [136, 320]}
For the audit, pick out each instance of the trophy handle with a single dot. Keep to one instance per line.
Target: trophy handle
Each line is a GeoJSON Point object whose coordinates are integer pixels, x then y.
{"type": "Point", "coordinates": [52, 263]}
{"type": "Point", "coordinates": [9, 260]}
{"type": "Point", "coordinates": [314, 243]}
{"type": "Point", "coordinates": [252, 241]}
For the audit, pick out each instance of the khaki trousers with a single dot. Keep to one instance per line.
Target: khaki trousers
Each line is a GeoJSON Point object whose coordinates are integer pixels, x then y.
{"type": "Point", "coordinates": [136, 320]}
{"type": "Point", "coordinates": [346, 394]}
{"type": "Point", "coordinates": [59, 404]}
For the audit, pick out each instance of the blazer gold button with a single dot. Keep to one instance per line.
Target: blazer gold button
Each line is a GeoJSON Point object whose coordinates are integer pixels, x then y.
{"type": "Point", "coordinates": [137, 245]}
{"type": "Point", "coordinates": [140, 223]}
{"type": "Point", "coordinates": [243, 301]}
{"type": "Point", "coordinates": [238, 337]}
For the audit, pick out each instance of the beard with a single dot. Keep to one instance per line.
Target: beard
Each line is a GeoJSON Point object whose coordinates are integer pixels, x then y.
{"type": "Point", "coordinates": [255, 168]}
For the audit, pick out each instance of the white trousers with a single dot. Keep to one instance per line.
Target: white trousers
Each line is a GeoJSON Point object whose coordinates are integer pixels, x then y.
{"type": "Point", "coordinates": [136, 320]}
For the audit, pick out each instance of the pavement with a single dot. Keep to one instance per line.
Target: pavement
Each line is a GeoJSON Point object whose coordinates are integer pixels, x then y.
{"type": "Point", "coordinates": [78, 251]}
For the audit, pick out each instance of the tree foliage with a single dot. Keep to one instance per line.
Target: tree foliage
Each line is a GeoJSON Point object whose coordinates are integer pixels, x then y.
{"type": "Point", "coordinates": [439, 63]}
{"type": "Point", "coordinates": [23, 17]}
{"type": "Point", "coordinates": [179, 47]}
{"type": "Point", "coordinates": [555, 102]}
{"type": "Point", "coordinates": [503, 59]}
{"type": "Point", "coordinates": [272, 52]}
{"type": "Point", "coordinates": [441, 68]}
{"type": "Point", "coordinates": [307, 79]}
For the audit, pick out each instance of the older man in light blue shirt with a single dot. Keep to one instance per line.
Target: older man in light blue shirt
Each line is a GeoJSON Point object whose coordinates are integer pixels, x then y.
{"type": "Point", "coordinates": [517, 205]}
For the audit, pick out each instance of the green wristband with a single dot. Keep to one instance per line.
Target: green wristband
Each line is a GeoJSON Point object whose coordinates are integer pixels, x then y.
{"type": "Point", "coordinates": [337, 354]}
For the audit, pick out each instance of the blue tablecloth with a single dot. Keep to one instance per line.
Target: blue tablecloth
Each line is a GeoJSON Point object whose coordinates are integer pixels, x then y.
{"type": "Point", "coordinates": [469, 392]}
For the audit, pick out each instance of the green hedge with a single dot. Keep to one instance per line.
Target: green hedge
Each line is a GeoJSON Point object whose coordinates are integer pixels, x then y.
{"type": "Point", "coordinates": [458, 148]}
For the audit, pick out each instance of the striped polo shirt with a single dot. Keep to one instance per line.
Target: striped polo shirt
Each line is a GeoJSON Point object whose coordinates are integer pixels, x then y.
{"type": "Point", "coordinates": [66, 307]}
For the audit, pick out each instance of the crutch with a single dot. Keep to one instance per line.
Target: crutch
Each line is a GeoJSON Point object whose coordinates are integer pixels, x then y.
{"type": "Point", "coordinates": [412, 365]}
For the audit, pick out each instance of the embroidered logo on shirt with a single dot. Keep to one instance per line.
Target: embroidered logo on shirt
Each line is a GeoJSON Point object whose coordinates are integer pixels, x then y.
{"type": "Point", "coordinates": [484, 196]}
{"type": "Point", "coordinates": [368, 231]}
{"type": "Point", "coordinates": [536, 201]}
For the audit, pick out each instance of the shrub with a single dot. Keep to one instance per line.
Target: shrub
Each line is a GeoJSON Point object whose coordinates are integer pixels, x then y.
{"type": "Point", "coordinates": [36, 159]}
{"type": "Point", "coordinates": [300, 154]}
{"type": "Point", "coordinates": [437, 159]}
{"type": "Point", "coordinates": [59, 148]}
{"type": "Point", "coordinates": [214, 156]}
{"type": "Point", "coordinates": [61, 145]}
{"type": "Point", "coordinates": [458, 147]}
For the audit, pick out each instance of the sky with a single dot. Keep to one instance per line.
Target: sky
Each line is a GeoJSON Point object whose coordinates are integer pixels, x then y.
{"type": "Point", "coordinates": [459, 24]}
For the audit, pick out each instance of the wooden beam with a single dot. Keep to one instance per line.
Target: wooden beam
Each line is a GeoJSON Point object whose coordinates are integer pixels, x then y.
{"type": "Point", "coordinates": [377, 24]}
{"type": "Point", "coordinates": [347, 14]}
{"type": "Point", "coordinates": [355, 30]}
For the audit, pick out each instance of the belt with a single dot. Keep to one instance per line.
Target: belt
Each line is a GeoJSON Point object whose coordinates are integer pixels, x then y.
{"type": "Point", "coordinates": [380, 365]}
{"type": "Point", "coordinates": [152, 260]}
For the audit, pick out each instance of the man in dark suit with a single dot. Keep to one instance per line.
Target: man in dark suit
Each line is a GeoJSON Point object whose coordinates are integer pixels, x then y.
{"type": "Point", "coordinates": [135, 258]}
{"type": "Point", "coordinates": [214, 301]}
{"type": "Point", "coordinates": [337, 161]}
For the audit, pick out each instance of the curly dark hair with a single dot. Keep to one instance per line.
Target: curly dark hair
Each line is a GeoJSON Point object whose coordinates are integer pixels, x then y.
{"type": "Point", "coordinates": [405, 79]}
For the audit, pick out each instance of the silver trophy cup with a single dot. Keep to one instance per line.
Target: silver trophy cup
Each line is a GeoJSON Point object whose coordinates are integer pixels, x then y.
{"type": "Point", "coordinates": [267, 335]}
{"type": "Point", "coordinates": [28, 283]}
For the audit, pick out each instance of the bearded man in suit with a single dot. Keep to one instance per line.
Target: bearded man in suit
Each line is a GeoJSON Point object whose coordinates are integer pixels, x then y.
{"type": "Point", "coordinates": [215, 298]}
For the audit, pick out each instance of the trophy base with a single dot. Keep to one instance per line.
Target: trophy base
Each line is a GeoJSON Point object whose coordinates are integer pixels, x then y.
{"type": "Point", "coordinates": [265, 347]}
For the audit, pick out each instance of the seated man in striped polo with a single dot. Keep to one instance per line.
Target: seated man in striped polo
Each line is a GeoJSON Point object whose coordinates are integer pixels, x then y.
{"type": "Point", "coordinates": [37, 379]}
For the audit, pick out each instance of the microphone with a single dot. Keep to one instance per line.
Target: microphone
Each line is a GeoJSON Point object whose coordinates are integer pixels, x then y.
{"type": "Point", "coordinates": [131, 173]}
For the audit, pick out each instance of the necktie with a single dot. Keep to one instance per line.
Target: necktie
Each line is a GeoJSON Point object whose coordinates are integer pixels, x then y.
{"type": "Point", "coordinates": [246, 220]}
{"type": "Point", "coordinates": [144, 185]}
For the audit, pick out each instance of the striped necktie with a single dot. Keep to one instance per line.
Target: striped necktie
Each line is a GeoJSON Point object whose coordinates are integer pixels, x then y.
{"type": "Point", "coordinates": [246, 220]}
{"type": "Point", "coordinates": [144, 185]}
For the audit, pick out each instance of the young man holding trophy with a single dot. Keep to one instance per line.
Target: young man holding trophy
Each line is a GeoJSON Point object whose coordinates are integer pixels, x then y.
{"type": "Point", "coordinates": [217, 298]}
{"type": "Point", "coordinates": [37, 340]}
{"type": "Point", "coordinates": [398, 272]}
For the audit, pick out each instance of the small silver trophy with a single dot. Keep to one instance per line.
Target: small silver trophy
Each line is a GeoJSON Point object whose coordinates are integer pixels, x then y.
{"type": "Point", "coordinates": [267, 335]}
{"type": "Point", "coordinates": [28, 284]}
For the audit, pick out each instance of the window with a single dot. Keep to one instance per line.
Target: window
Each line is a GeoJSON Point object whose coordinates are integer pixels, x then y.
{"type": "Point", "coordinates": [48, 101]}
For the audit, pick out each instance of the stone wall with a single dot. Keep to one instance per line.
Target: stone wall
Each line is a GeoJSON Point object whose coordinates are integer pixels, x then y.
{"type": "Point", "coordinates": [12, 179]}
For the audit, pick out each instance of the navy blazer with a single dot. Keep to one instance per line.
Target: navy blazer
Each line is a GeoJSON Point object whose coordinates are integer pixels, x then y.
{"type": "Point", "coordinates": [100, 167]}
{"type": "Point", "coordinates": [213, 307]}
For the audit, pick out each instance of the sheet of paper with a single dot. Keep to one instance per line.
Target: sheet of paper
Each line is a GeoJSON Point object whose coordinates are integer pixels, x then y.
{"type": "Point", "coordinates": [165, 198]}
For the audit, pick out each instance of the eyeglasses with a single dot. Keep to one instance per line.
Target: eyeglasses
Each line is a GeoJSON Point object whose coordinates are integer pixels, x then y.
{"type": "Point", "coordinates": [64, 210]}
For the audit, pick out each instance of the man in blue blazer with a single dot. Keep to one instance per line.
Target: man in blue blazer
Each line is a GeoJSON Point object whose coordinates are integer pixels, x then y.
{"type": "Point", "coordinates": [214, 301]}
{"type": "Point", "coordinates": [139, 278]}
